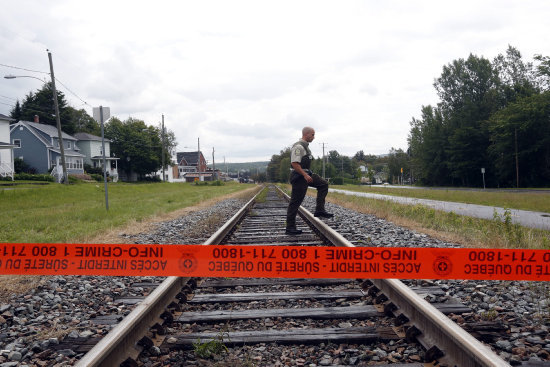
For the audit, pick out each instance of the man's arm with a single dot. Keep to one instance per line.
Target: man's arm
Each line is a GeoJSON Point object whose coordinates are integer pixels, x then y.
{"type": "Point", "coordinates": [299, 169]}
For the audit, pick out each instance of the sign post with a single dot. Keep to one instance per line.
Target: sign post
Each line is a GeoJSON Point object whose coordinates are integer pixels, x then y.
{"type": "Point", "coordinates": [100, 114]}
{"type": "Point", "coordinates": [483, 173]}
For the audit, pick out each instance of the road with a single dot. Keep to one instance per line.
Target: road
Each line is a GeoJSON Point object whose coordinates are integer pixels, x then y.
{"type": "Point", "coordinates": [525, 218]}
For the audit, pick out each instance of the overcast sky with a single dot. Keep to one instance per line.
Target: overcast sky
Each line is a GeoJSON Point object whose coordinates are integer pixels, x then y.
{"type": "Point", "coordinates": [246, 76]}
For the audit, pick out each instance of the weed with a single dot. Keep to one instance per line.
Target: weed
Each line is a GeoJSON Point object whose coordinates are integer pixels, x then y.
{"type": "Point", "coordinates": [261, 198]}
{"type": "Point", "coordinates": [489, 315]}
{"type": "Point", "coordinates": [211, 348]}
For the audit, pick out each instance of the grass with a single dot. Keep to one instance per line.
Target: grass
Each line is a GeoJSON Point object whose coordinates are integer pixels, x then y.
{"type": "Point", "coordinates": [473, 232]}
{"type": "Point", "coordinates": [535, 201]}
{"type": "Point", "coordinates": [211, 348]}
{"type": "Point", "coordinates": [69, 213]}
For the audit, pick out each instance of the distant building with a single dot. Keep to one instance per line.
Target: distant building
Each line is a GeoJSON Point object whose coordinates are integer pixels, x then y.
{"type": "Point", "coordinates": [6, 148]}
{"type": "Point", "coordinates": [38, 145]}
{"type": "Point", "coordinates": [92, 148]}
{"type": "Point", "coordinates": [192, 167]}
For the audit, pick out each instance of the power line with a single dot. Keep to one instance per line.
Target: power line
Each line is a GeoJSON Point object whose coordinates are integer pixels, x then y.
{"type": "Point", "coordinates": [73, 93]}
{"type": "Point", "coordinates": [43, 72]}
{"type": "Point", "coordinates": [8, 97]}
{"type": "Point", "coordinates": [15, 67]}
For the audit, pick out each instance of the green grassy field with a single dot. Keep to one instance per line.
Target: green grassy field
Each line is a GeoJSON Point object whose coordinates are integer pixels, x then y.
{"type": "Point", "coordinates": [69, 213]}
{"type": "Point", "coordinates": [536, 201]}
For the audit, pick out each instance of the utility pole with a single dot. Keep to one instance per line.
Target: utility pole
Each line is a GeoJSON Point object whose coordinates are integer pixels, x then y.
{"type": "Point", "coordinates": [104, 159]}
{"type": "Point", "coordinates": [199, 158]}
{"type": "Point", "coordinates": [213, 165]}
{"type": "Point", "coordinates": [162, 159]}
{"type": "Point", "coordinates": [58, 121]}
{"type": "Point", "coordinates": [517, 162]}
{"type": "Point", "coordinates": [323, 160]}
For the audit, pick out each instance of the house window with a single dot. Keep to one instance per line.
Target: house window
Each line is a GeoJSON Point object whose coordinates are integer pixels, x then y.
{"type": "Point", "coordinates": [17, 143]}
{"type": "Point", "coordinates": [69, 145]}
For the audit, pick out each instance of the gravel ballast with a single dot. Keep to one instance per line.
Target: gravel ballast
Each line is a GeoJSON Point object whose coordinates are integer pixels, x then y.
{"type": "Point", "coordinates": [67, 305]}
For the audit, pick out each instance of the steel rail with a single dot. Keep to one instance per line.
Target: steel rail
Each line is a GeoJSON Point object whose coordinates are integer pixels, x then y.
{"type": "Point", "coordinates": [457, 344]}
{"type": "Point", "coordinates": [113, 348]}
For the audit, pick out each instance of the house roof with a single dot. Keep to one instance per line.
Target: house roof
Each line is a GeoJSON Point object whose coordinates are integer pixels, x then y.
{"type": "Point", "coordinates": [190, 157]}
{"type": "Point", "coordinates": [68, 152]}
{"type": "Point", "coordinates": [100, 157]}
{"type": "Point", "coordinates": [196, 174]}
{"type": "Point", "coordinates": [6, 118]}
{"type": "Point", "coordinates": [48, 129]}
{"type": "Point", "coordinates": [86, 136]}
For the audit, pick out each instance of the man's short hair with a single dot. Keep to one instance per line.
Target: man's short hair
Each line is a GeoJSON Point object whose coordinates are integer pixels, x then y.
{"type": "Point", "coordinates": [306, 130]}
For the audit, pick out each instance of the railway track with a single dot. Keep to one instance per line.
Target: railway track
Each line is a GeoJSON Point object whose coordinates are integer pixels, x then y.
{"type": "Point", "coordinates": [188, 321]}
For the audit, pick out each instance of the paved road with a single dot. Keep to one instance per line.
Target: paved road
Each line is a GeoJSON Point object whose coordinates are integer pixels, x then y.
{"type": "Point", "coordinates": [524, 217]}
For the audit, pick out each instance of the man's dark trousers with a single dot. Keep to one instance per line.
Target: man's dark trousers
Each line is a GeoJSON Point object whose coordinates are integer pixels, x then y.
{"type": "Point", "coordinates": [299, 189]}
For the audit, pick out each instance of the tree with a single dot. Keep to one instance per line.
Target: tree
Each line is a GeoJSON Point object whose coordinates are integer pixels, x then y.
{"type": "Point", "coordinates": [275, 165]}
{"type": "Point", "coordinates": [284, 170]}
{"type": "Point", "coordinates": [543, 71]}
{"type": "Point", "coordinates": [359, 156]}
{"type": "Point", "coordinates": [83, 123]}
{"type": "Point", "coordinates": [428, 142]}
{"type": "Point", "coordinates": [398, 160]}
{"type": "Point", "coordinates": [515, 77]}
{"type": "Point", "coordinates": [523, 124]}
{"type": "Point", "coordinates": [137, 145]}
{"type": "Point", "coordinates": [16, 111]}
{"type": "Point", "coordinates": [42, 104]}
{"type": "Point", "coordinates": [468, 98]}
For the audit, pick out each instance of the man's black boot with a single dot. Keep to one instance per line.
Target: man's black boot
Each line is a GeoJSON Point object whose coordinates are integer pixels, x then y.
{"type": "Point", "coordinates": [323, 214]}
{"type": "Point", "coordinates": [293, 231]}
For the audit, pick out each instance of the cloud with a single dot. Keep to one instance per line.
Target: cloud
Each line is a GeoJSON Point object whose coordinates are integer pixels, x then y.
{"type": "Point", "coordinates": [246, 76]}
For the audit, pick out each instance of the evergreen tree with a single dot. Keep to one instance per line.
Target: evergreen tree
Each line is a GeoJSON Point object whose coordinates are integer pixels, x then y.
{"type": "Point", "coordinates": [41, 103]}
{"type": "Point", "coordinates": [15, 113]}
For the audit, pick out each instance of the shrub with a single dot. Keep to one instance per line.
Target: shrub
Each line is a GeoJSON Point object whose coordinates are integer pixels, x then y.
{"type": "Point", "coordinates": [80, 176]}
{"type": "Point", "coordinates": [151, 179]}
{"type": "Point", "coordinates": [20, 166]}
{"type": "Point", "coordinates": [33, 177]}
{"type": "Point", "coordinates": [217, 183]}
{"type": "Point", "coordinates": [93, 170]}
{"type": "Point", "coordinates": [98, 177]}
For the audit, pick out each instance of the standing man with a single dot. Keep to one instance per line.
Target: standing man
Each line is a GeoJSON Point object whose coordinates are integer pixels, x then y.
{"type": "Point", "coordinates": [300, 178]}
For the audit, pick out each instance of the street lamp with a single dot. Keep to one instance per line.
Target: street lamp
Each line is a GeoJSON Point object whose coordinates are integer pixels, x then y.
{"type": "Point", "coordinates": [23, 76]}
{"type": "Point", "coordinates": [57, 117]}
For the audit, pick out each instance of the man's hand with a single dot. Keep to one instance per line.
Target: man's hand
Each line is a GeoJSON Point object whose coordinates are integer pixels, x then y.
{"type": "Point", "coordinates": [299, 169]}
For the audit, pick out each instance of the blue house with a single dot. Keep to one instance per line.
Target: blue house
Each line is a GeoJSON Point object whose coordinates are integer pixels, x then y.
{"type": "Point", "coordinates": [38, 145]}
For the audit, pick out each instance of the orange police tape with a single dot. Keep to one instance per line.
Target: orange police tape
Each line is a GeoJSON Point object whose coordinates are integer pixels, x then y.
{"type": "Point", "coordinates": [274, 261]}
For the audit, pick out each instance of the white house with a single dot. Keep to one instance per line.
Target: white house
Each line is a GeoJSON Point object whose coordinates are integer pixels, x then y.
{"type": "Point", "coordinates": [92, 148]}
{"type": "Point", "coordinates": [6, 148]}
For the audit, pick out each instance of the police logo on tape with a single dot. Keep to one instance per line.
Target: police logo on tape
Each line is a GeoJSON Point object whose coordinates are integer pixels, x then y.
{"type": "Point", "coordinates": [187, 262]}
{"type": "Point", "coordinates": [442, 265]}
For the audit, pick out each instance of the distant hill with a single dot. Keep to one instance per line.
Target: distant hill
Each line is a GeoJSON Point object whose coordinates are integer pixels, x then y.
{"type": "Point", "coordinates": [252, 167]}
